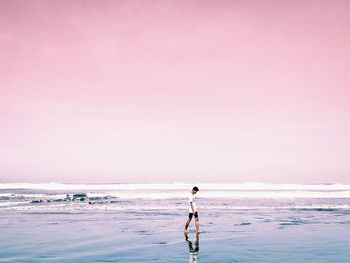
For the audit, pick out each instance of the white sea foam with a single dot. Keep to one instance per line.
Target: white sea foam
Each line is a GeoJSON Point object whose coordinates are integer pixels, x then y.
{"type": "Point", "coordinates": [177, 190]}
{"type": "Point", "coordinates": [31, 196]}
{"type": "Point", "coordinates": [16, 206]}
{"type": "Point", "coordinates": [6, 204]}
{"type": "Point", "coordinates": [177, 186]}
{"type": "Point", "coordinates": [234, 194]}
{"type": "Point", "coordinates": [171, 194]}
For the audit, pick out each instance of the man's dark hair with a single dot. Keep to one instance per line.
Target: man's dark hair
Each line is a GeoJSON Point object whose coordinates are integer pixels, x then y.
{"type": "Point", "coordinates": [195, 188]}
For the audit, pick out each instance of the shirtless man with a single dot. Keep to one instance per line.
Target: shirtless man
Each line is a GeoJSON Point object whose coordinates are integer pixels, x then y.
{"type": "Point", "coordinates": [192, 211]}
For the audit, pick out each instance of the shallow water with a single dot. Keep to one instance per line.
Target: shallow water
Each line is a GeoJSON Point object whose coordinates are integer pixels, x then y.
{"type": "Point", "coordinates": [122, 224]}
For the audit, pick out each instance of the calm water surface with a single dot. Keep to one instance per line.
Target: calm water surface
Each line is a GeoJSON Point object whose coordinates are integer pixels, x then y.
{"type": "Point", "coordinates": [122, 224]}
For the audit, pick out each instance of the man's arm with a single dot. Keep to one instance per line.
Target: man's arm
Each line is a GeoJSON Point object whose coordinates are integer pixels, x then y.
{"type": "Point", "coordinates": [192, 207]}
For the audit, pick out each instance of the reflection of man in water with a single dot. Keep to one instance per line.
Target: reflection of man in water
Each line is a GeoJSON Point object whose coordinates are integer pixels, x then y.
{"type": "Point", "coordinates": [192, 211]}
{"type": "Point", "coordinates": [193, 252]}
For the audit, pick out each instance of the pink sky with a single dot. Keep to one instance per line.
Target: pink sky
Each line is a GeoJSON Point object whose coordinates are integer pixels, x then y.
{"type": "Point", "coordinates": [175, 91]}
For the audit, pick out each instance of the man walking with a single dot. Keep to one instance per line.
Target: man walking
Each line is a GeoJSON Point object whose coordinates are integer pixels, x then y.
{"type": "Point", "coordinates": [192, 211]}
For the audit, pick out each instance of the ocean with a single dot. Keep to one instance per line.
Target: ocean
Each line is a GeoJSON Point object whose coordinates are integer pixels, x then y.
{"type": "Point", "coordinates": [251, 222]}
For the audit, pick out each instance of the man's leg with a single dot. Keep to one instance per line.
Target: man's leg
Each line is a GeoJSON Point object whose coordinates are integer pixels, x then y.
{"type": "Point", "coordinates": [188, 222]}
{"type": "Point", "coordinates": [196, 222]}
{"type": "Point", "coordinates": [197, 225]}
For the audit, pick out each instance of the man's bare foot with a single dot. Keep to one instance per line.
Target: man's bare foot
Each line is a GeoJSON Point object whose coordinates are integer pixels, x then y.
{"type": "Point", "coordinates": [186, 236]}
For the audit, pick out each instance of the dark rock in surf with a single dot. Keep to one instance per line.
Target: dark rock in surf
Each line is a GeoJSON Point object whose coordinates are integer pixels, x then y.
{"type": "Point", "coordinates": [36, 201]}
{"type": "Point", "coordinates": [81, 195]}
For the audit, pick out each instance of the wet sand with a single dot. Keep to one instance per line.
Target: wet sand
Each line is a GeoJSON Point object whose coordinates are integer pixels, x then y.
{"type": "Point", "coordinates": [155, 236]}
{"type": "Point", "coordinates": [151, 230]}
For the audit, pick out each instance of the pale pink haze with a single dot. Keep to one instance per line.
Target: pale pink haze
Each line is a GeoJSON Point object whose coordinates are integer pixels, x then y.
{"type": "Point", "coordinates": [175, 91]}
